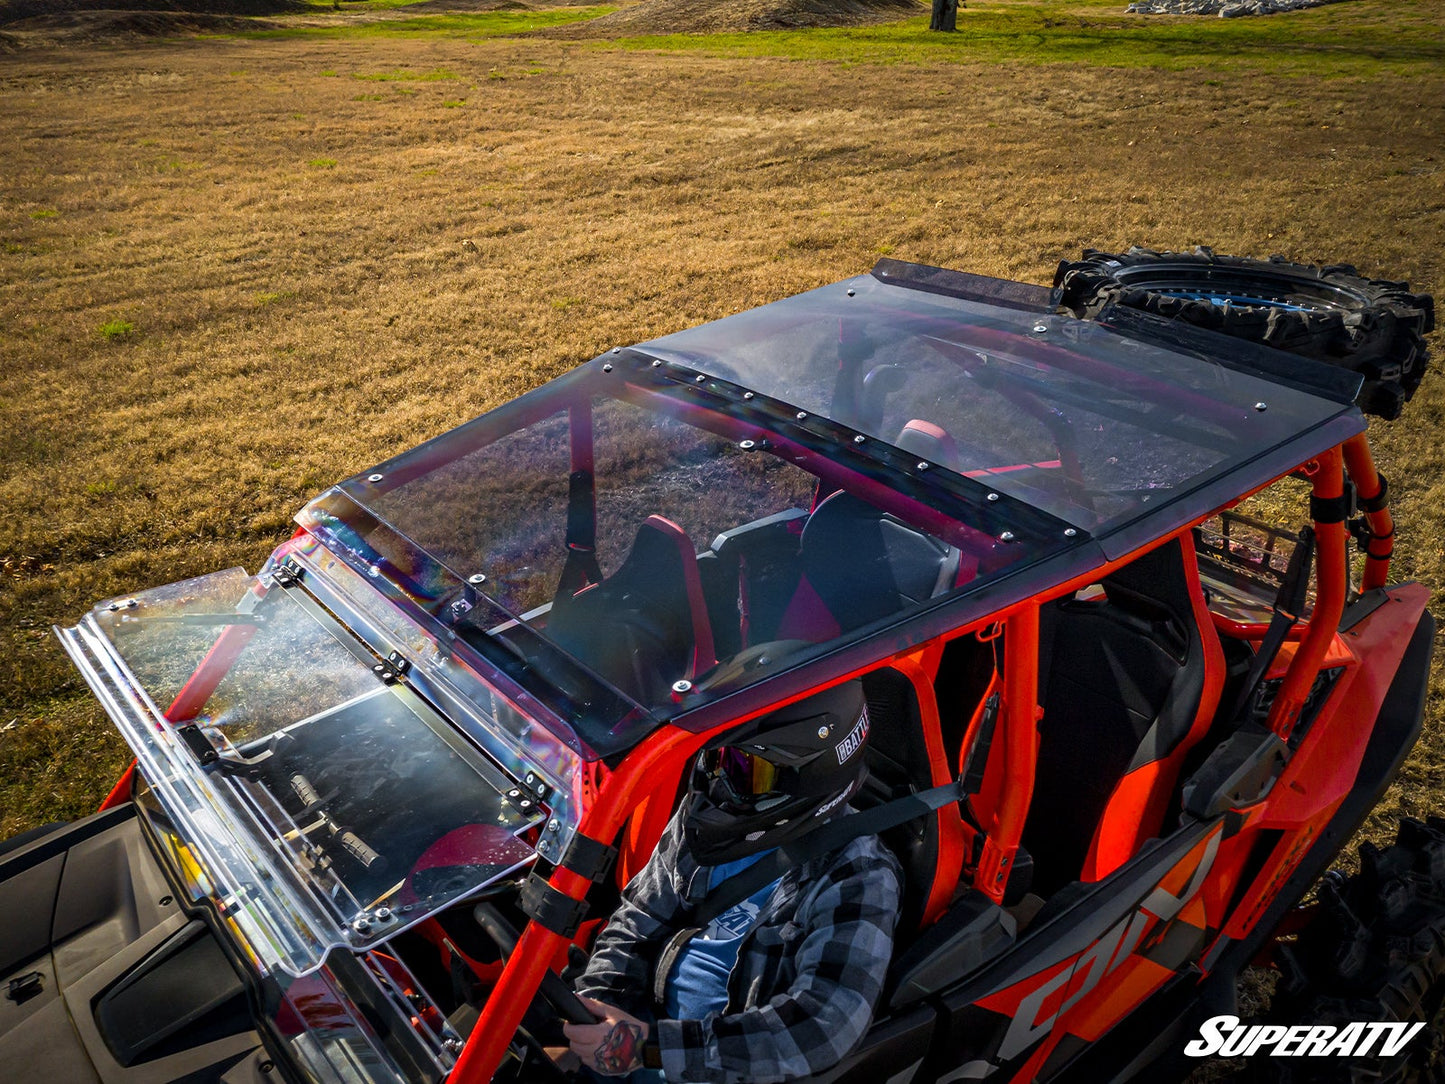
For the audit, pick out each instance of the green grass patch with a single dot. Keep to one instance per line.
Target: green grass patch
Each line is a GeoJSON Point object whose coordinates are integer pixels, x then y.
{"type": "Point", "coordinates": [44, 214]}
{"type": "Point", "coordinates": [322, 163]}
{"type": "Point", "coordinates": [1348, 39]}
{"type": "Point", "coordinates": [406, 75]}
{"type": "Point", "coordinates": [113, 330]}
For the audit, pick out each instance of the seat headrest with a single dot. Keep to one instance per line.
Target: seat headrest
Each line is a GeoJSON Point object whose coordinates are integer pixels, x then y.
{"type": "Point", "coordinates": [930, 442]}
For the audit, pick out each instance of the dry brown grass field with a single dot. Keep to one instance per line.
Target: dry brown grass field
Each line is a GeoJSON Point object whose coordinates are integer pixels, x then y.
{"type": "Point", "coordinates": [235, 270]}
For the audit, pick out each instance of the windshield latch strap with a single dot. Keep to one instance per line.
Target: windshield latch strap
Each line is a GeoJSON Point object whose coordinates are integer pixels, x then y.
{"type": "Point", "coordinates": [555, 910]}
{"type": "Point", "coordinates": [588, 858]}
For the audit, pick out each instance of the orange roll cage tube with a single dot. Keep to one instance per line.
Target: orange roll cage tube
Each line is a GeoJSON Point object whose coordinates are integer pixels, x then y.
{"type": "Point", "coordinates": [539, 946]}
{"type": "Point", "coordinates": [1020, 721]}
{"type": "Point", "coordinates": [1331, 586]}
{"type": "Point", "coordinates": [1381, 525]}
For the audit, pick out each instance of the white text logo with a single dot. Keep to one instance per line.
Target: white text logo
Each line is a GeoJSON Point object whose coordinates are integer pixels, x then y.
{"type": "Point", "coordinates": [1225, 1037]}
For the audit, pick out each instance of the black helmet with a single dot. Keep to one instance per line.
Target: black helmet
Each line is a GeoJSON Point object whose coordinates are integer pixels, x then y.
{"type": "Point", "coordinates": [797, 764]}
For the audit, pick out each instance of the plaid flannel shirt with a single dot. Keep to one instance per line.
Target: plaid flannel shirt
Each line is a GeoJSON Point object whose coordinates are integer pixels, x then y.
{"type": "Point", "coordinates": [808, 974]}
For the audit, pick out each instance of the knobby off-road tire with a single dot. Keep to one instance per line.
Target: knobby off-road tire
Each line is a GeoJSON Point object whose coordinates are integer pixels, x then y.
{"type": "Point", "coordinates": [1374, 951]}
{"type": "Point", "coordinates": [1331, 314]}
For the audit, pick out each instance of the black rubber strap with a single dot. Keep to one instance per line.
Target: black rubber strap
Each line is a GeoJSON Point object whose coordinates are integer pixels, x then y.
{"type": "Point", "coordinates": [1330, 509]}
{"type": "Point", "coordinates": [588, 858]}
{"type": "Point", "coordinates": [828, 837]}
{"type": "Point", "coordinates": [555, 910]}
{"type": "Point", "coordinates": [1380, 501]}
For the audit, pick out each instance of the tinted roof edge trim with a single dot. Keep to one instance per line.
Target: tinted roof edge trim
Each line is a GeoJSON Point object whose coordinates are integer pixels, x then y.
{"type": "Point", "coordinates": [1024, 296]}
{"type": "Point", "coordinates": [1304, 374]}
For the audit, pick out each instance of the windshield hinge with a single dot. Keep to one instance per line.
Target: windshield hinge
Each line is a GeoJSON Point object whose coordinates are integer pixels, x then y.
{"type": "Point", "coordinates": [392, 668]}
{"type": "Point", "coordinates": [288, 573]}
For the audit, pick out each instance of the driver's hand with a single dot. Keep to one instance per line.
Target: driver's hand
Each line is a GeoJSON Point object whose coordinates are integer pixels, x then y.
{"type": "Point", "coordinates": [613, 1045]}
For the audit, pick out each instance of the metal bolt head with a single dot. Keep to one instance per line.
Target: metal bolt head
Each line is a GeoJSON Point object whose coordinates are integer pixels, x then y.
{"type": "Point", "coordinates": [747, 395]}
{"type": "Point", "coordinates": [374, 478]}
{"type": "Point", "coordinates": [992, 497]}
{"type": "Point", "coordinates": [747, 445]}
{"type": "Point", "coordinates": [607, 368]}
{"type": "Point", "coordinates": [1261, 407]}
{"type": "Point", "coordinates": [852, 293]}
{"type": "Point", "coordinates": [1040, 329]}
{"type": "Point", "coordinates": [477, 580]}
{"type": "Point", "coordinates": [822, 732]}
{"type": "Point", "coordinates": [554, 825]}
{"type": "Point", "coordinates": [699, 379]}
{"type": "Point", "coordinates": [617, 349]}
{"type": "Point", "coordinates": [656, 363]}
{"type": "Point", "coordinates": [802, 414]}
{"type": "Point", "coordinates": [383, 914]}
{"type": "Point", "coordinates": [1007, 536]}
{"type": "Point", "coordinates": [859, 439]}
{"type": "Point", "coordinates": [1070, 532]}
{"type": "Point", "coordinates": [922, 464]}
{"type": "Point", "coordinates": [682, 686]}
{"type": "Point", "coordinates": [361, 924]}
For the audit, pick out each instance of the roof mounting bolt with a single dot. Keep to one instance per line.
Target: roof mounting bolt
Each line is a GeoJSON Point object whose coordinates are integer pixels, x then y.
{"type": "Point", "coordinates": [1261, 407]}
{"type": "Point", "coordinates": [1070, 532]}
{"type": "Point", "coordinates": [1040, 329]}
{"type": "Point", "coordinates": [922, 465]}
{"type": "Point", "coordinates": [383, 914]}
{"type": "Point", "coordinates": [607, 368]}
{"type": "Point", "coordinates": [682, 686]}
{"type": "Point", "coordinates": [859, 439]}
{"type": "Point", "coordinates": [554, 825]}
{"type": "Point", "coordinates": [617, 349]}
{"type": "Point", "coordinates": [374, 478]}
{"type": "Point", "coordinates": [747, 445]}
{"type": "Point", "coordinates": [699, 378]}
{"type": "Point", "coordinates": [361, 924]}
{"type": "Point", "coordinates": [802, 414]}
{"type": "Point", "coordinates": [748, 395]}
{"type": "Point", "coordinates": [992, 497]}
{"type": "Point", "coordinates": [656, 364]}
{"type": "Point", "coordinates": [1007, 536]}
{"type": "Point", "coordinates": [852, 293]}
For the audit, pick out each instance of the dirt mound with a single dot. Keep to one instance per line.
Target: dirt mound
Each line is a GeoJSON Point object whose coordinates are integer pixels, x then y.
{"type": "Point", "coordinates": [37, 12]}
{"type": "Point", "coordinates": [28, 23]}
{"type": "Point", "coordinates": [711, 17]}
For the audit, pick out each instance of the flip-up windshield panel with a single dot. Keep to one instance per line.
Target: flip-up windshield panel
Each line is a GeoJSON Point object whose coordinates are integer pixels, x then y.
{"type": "Point", "coordinates": [1096, 428]}
{"type": "Point", "coordinates": [332, 803]}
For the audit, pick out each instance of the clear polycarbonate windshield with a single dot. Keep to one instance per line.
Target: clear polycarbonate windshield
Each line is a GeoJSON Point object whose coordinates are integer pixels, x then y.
{"type": "Point", "coordinates": [328, 802]}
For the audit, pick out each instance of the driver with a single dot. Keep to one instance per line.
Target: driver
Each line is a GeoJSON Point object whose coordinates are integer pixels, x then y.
{"type": "Point", "coordinates": [782, 984]}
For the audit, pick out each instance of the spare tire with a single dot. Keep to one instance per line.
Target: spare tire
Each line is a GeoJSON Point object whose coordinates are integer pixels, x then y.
{"type": "Point", "coordinates": [1332, 314]}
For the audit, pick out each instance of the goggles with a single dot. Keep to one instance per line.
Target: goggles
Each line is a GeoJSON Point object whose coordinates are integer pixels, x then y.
{"type": "Point", "coordinates": [747, 777]}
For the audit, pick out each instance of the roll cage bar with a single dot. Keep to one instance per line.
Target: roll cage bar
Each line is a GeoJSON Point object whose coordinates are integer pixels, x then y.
{"type": "Point", "coordinates": [1336, 476]}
